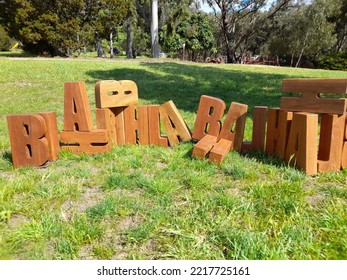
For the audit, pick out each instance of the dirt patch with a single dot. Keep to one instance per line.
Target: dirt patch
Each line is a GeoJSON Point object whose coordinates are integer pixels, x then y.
{"type": "Point", "coordinates": [315, 199]}
{"type": "Point", "coordinates": [235, 192]}
{"type": "Point", "coordinates": [86, 253]}
{"type": "Point", "coordinates": [89, 197]}
{"type": "Point", "coordinates": [129, 222]}
{"type": "Point", "coordinates": [17, 220]}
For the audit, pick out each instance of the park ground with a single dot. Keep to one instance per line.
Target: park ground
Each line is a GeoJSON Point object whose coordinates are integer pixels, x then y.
{"type": "Point", "coordinates": [146, 202]}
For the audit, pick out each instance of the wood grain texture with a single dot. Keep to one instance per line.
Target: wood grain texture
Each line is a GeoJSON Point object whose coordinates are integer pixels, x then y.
{"type": "Point", "coordinates": [220, 151]}
{"type": "Point", "coordinates": [77, 114]}
{"type": "Point", "coordinates": [331, 142]}
{"type": "Point", "coordinates": [155, 137]}
{"type": "Point", "coordinates": [175, 127]}
{"type": "Point", "coordinates": [209, 115]}
{"type": "Point", "coordinates": [111, 94]}
{"type": "Point", "coordinates": [236, 116]}
{"type": "Point", "coordinates": [118, 113]}
{"type": "Point", "coordinates": [258, 130]}
{"type": "Point", "coordinates": [278, 127]}
{"type": "Point", "coordinates": [310, 101]}
{"type": "Point", "coordinates": [130, 125]}
{"type": "Point", "coordinates": [91, 143]}
{"type": "Point", "coordinates": [204, 146]}
{"type": "Point", "coordinates": [344, 149]}
{"type": "Point", "coordinates": [29, 146]}
{"type": "Point", "coordinates": [51, 134]}
{"type": "Point", "coordinates": [302, 145]}
{"type": "Point", "coordinates": [143, 125]}
{"type": "Point", "coordinates": [105, 119]}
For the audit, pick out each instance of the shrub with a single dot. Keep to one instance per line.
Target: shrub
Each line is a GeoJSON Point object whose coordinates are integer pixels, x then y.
{"type": "Point", "coordinates": [334, 61]}
{"type": "Point", "coordinates": [5, 40]}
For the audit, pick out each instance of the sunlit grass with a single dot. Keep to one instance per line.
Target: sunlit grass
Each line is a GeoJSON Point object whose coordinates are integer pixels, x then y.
{"type": "Point", "coordinates": [139, 202]}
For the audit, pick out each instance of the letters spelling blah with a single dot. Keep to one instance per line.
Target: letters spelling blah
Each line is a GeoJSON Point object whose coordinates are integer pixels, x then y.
{"type": "Point", "coordinates": [288, 132]}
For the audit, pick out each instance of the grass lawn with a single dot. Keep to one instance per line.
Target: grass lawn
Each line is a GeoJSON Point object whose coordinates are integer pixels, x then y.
{"type": "Point", "coordinates": [144, 202]}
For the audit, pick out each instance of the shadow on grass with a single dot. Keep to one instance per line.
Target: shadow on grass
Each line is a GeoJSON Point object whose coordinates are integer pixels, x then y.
{"type": "Point", "coordinates": [16, 54]}
{"type": "Point", "coordinates": [185, 83]}
{"type": "Point", "coordinates": [7, 156]}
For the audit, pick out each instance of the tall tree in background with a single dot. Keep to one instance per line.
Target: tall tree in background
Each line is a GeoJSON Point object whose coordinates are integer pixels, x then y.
{"type": "Point", "coordinates": [239, 20]}
{"type": "Point", "coordinates": [155, 30]}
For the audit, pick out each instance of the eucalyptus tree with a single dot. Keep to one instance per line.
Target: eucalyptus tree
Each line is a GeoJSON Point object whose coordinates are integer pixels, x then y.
{"type": "Point", "coordinates": [239, 20]}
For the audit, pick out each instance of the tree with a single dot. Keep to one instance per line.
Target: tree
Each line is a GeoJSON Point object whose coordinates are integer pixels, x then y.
{"type": "Point", "coordinates": [195, 32]}
{"type": "Point", "coordinates": [239, 20]}
{"type": "Point", "coordinates": [155, 30]}
{"type": "Point", "coordinates": [302, 31]}
{"type": "Point", "coordinates": [58, 26]}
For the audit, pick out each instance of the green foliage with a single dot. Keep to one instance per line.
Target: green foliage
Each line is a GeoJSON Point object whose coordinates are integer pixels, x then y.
{"type": "Point", "coordinates": [55, 27]}
{"type": "Point", "coordinates": [5, 40]}
{"type": "Point", "coordinates": [195, 32]}
{"type": "Point", "coordinates": [333, 61]}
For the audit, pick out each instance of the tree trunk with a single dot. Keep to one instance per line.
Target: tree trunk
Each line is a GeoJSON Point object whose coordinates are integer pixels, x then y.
{"type": "Point", "coordinates": [154, 30]}
{"type": "Point", "coordinates": [111, 45]}
{"type": "Point", "coordinates": [129, 39]}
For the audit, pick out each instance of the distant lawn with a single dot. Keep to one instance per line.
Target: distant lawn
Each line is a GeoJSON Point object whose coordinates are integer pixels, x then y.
{"type": "Point", "coordinates": [140, 202]}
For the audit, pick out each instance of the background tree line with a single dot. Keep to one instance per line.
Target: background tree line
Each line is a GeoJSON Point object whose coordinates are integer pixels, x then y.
{"type": "Point", "coordinates": [290, 32]}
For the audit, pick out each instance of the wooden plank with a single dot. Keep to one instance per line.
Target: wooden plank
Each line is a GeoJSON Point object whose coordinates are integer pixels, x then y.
{"type": "Point", "coordinates": [176, 128]}
{"type": "Point", "coordinates": [278, 127]}
{"type": "Point", "coordinates": [155, 137]}
{"type": "Point", "coordinates": [344, 155]}
{"type": "Point", "coordinates": [118, 113]}
{"type": "Point", "coordinates": [105, 119]}
{"type": "Point", "coordinates": [236, 116]}
{"type": "Point", "coordinates": [29, 145]}
{"type": "Point", "coordinates": [272, 134]}
{"type": "Point", "coordinates": [143, 125]}
{"type": "Point", "coordinates": [77, 114]}
{"type": "Point", "coordinates": [220, 151]}
{"type": "Point", "coordinates": [204, 146]}
{"type": "Point", "coordinates": [131, 125]}
{"type": "Point", "coordinates": [208, 119]}
{"type": "Point", "coordinates": [51, 134]}
{"type": "Point", "coordinates": [302, 145]}
{"type": "Point", "coordinates": [331, 142]}
{"type": "Point", "coordinates": [92, 142]}
{"type": "Point", "coordinates": [284, 124]}
{"type": "Point", "coordinates": [310, 101]}
{"type": "Point", "coordinates": [344, 149]}
{"type": "Point", "coordinates": [258, 130]}
{"type": "Point", "coordinates": [111, 94]}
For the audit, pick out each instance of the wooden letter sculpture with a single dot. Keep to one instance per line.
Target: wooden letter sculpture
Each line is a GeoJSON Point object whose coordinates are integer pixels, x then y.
{"type": "Point", "coordinates": [236, 116]}
{"type": "Point", "coordinates": [310, 100]}
{"type": "Point", "coordinates": [278, 128]}
{"type": "Point", "coordinates": [78, 135]}
{"type": "Point", "coordinates": [119, 98]}
{"type": "Point", "coordinates": [218, 146]}
{"type": "Point", "coordinates": [344, 149]}
{"type": "Point", "coordinates": [175, 127]}
{"type": "Point", "coordinates": [110, 94]}
{"type": "Point", "coordinates": [77, 114]}
{"type": "Point", "coordinates": [34, 139]}
{"type": "Point", "coordinates": [204, 146]}
{"type": "Point", "coordinates": [259, 130]}
{"type": "Point", "coordinates": [302, 146]}
{"type": "Point", "coordinates": [331, 142]}
{"type": "Point", "coordinates": [208, 119]}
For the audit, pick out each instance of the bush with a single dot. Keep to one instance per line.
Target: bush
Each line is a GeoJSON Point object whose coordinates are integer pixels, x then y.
{"type": "Point", "coordinates": [334, 61]}
{"type": "Point", "coordinates": [5, 40]}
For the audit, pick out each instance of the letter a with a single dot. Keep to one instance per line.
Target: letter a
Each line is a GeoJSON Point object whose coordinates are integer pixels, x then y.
{"type": "Point", "coordinates": [77, 115]}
